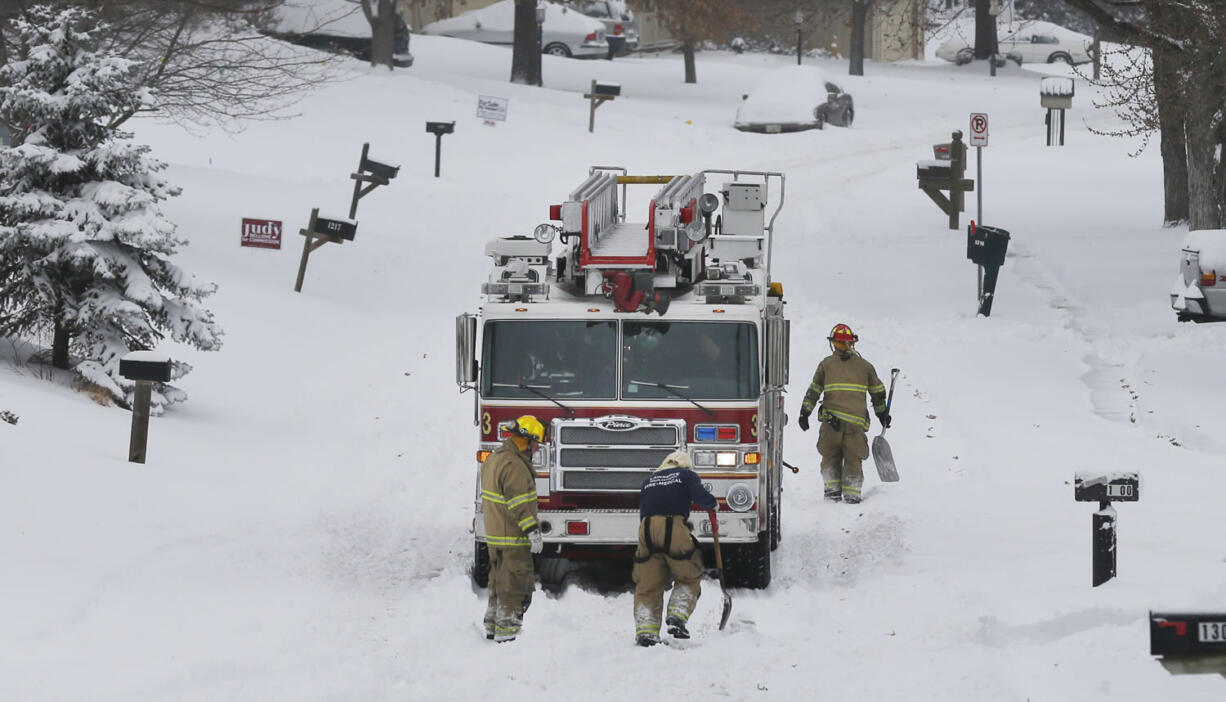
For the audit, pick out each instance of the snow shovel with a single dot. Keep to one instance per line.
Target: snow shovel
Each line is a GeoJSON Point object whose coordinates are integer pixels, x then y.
{"type": "Point", "coordinates": [883, 457]}
{"type": "Point", "coordinates": [719, 566]}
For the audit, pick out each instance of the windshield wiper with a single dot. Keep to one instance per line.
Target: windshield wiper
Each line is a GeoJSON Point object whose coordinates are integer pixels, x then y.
{"type": "Point", "coordinates": [676, 390]}
{"type": "Point", "coordinates": [534, 390]}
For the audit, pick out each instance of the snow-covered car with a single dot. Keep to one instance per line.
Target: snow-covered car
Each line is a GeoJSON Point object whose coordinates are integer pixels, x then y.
{"type": "Point", "coordinates": [792, 99]}
{"type": "Point", "coordinates": [338, 26]}
{"type": "Point", "coordinates": [1199, 292]}
{"type": "Point", "coordinates": [621, 30]}
{"type": "Point", "coordinates": [1033, 41]}
{"type": "Point", "coordinates": [566, 32]}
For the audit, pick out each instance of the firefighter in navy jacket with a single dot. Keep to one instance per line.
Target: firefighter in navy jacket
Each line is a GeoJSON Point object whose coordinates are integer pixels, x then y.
{"type": "Point", "coordinates": [667, 550]}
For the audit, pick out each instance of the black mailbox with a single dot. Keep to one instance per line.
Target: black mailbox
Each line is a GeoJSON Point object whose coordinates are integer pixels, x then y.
{"type": "Point", "coordinates": [1112, 487]}
{"type": "Point", "coordinates": [986, 246]}
{"type": "Point", "coordinates": [607, 89]}
{"type": "Point", "coordinates": [1187, 634]}
{"type": "Point", "coordinates": [928, 170]}
{"type": "Point", "coordinates": [339, 228]}
{"type": "Point", "coordinates": [136, 366]}
{"type": "Point", "coordinates": [387, 171]}
{"type": "Point", "coordinates": [440, 128]}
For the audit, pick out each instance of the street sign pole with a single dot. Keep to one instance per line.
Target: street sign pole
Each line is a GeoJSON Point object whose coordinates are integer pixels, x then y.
{"type": "Point", "coordinates": [979, 185]}
{"type": "Point", "coordinates": [979, 139]}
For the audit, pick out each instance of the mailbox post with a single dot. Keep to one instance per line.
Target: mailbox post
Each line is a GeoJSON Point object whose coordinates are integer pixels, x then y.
{"type": "Point", "coordinates": [597, 96]}
{"type": "Point", "coordinates": [372, 172]}
{"type": "Point", "coordinates": [1105, 489]}
{"type": "Point", "coordinates": [986, 248]}
{"type": "Point", "coordinates": [947, 174]}
{"type": "Point", "coordinates": [1056, 94]}
{"type": "Point", "coordinates": [438, 129]}
{"type": "Point", "coordinates": [146, 368]}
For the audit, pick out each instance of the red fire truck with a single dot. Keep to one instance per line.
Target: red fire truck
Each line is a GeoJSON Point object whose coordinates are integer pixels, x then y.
{"type": "Point", "coordinates": [630, 340]}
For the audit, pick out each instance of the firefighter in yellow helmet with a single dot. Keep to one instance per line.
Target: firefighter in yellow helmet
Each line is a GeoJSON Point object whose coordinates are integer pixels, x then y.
{"type": "Point", "coordinates": [508, 506]}
{"type": "Point", "coordinates": [841, 381]}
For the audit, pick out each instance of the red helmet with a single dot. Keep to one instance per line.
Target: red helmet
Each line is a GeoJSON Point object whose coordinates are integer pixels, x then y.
{"type": "Point", "coordinates": [843, 333]}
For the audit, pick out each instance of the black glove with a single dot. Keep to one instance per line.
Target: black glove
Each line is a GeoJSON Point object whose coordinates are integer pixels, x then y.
{"type": "Point", "coordinates": [884, 418]}
{"type": "Point", "coordinates": [803, 422]}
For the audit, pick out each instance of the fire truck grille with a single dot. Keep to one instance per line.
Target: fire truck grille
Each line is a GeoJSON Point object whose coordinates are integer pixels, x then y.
{"type": "Point", "coordinates": [596, 436]}
{"type": "Point", "coordinates": [612, 458]}
{"type": "Point", "coordinates": [606, 480]}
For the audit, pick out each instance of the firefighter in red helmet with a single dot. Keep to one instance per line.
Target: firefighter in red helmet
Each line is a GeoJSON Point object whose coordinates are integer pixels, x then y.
{"type": "Point", "coordinates": [841, 382]}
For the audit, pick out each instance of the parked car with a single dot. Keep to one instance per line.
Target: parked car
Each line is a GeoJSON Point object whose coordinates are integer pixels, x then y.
{"type": "Point", "coordinates": [1033, 41]}
{"type": "Point", "coordinates": [792, 99]}
{"type": "Point", "coordinates": [1199, 293]}
{"type": "Point", "coordinates": [566, 32]}
{"type": "Point", "coordinates": [621, 30]}
{"type": "Point", "coordinates": [337, 26]}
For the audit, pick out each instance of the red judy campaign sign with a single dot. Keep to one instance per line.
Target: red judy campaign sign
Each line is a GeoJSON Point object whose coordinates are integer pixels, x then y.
{"type": "Point", "coordinates": [262, 233]}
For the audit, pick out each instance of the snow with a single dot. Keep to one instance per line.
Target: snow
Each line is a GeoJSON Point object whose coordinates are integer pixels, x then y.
{"type": "Point", "coordinates": [147, 356]}
{"type": "Point", "coordinates": [787, 95]}
{"type": "Point", "coordinates": [1210, 244]}
{"type": "Point", "coordinates": [1056, 85]}
{"type": "Point", "coordinates": [500, 17]}
{"type": "Point", "coordinates": [300, 528]}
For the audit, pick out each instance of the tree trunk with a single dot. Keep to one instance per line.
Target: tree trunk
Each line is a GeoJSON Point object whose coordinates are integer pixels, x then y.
{"type": "Point", "coordinates": [1173, 146]}
{"type": "Point", "coordinates": [59, 346]}
{"type": "Point", "coordinates": [691, 71]}
{"type": "Point", "coordinates": [985, 30]}
{"type": "Point", "coordinates": [1203, 191]}
{"type": "Point", "coordinates": [525, 63]}
{"type": "Point", "coordinates": [383, 35]}
{"type": "Point", "coordinates": [859, 16]}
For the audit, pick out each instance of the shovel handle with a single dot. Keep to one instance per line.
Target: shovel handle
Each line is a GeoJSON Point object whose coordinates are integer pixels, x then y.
{"type": "Point", "coordinates": [889, 400]}
{"type": "Point", "coordinates": [719, 559]}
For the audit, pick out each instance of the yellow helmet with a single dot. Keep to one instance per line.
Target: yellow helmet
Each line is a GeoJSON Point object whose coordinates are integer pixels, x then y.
{"type": "Point", "coordinates": [528, 427]}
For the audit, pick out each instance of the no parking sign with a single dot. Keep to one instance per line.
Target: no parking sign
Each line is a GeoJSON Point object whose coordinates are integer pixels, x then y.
{"type": "Point", "coordinates": [979, 129]}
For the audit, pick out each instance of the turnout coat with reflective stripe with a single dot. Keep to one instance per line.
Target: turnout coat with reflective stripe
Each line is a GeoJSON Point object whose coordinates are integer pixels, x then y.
{"type": "Point", "coordinates": [842, 385]}
{"type": "Point", "coordinates": [508, 496]}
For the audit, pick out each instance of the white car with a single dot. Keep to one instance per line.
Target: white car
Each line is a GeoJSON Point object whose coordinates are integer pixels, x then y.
{"type": "Point", "coordinates": [566, 32]}
{"type": "Point", "coordinates": [1199, 293]}
{"type": "Point", "coordinates": [1029, 42]}
{"type": "Point", "coordinates": [338, 26]}
{"type": "Point", "coordinates": [792, 99]}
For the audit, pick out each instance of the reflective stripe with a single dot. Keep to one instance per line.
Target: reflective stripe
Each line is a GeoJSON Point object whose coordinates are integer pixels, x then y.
{"type": "Point", "coordinates": [493, 497]}
{"type": "Point", "coordinates": [647, 629]}
{"type": "Point", "coordinates": [506, 630]}
{"type": "Point", "coordinates": [832, 483]}
{"type": "Point", "coordinates": [851, 489]}
{"type": "Point", "coordinates": [492, 540]}
{"type": "Point", "coordinates": [527, 522]}
{"type": "Point", "coordinates": [876, 388]}
{"type": "Point", "coordinates": [679, 613]}
{"type": "Point", "coordinates": [518, 500]}
{"type": "Point", "coordinates": [858, 421]}
{"type": "Point", "coordinates": [846, 387]}
{"type": "Point", "coordinates": [879, 408]}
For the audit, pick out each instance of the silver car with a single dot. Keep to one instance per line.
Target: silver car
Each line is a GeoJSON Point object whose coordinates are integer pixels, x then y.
{"type": "Point", "coordinates": [1199, 293]}
{"type": "Point", "coordinates": [566, 32]}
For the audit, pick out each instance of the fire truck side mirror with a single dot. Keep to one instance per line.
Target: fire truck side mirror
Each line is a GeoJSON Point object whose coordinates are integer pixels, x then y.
{"type": "Point", "coordinates": [466, 350]}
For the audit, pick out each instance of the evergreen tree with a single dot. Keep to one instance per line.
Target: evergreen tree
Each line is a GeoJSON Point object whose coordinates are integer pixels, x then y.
{"type": "Point", "coordinates": [84, 248]}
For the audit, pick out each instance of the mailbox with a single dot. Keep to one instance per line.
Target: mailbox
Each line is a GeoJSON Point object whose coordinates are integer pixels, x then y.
{"type": "Point", "coordinates": [934, 170]}
{"type": "Point", "coordinates": [1112, 487]}
{"type": "Point", "coordinates": [440, 128]}
{"type": "Point", "coordinates": [145, 365]}
{"type": "Point", "coordinates": [1056, 92]}
{"type": "Point", "coordinates": [942, 152]}
{"type": "Point", "coordinates": [380, 169]}
{"type": "Point", "coordinates": [337, 227]}
{"type": "Point", "coordinates": [1197, 634]}
{"type": "Point", "coordinates": [986, 246]}
{"type": "Point", "coordinates": [607, 89]}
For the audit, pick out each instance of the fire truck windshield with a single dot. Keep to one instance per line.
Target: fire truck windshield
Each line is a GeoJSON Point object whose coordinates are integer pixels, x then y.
{"type": "Point", "coordinates": [560, 359]}
{"type": "Point", "coordinates": [705, 360]}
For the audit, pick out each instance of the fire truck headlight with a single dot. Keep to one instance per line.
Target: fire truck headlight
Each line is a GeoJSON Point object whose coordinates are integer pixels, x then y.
{"type": "Point", "coordinates": [704, 458]}
{"type": "Point", "coordinates": [544, 233]}
{"type": "Point", "coordinates": [739, 497]}
{"type": "Point", "coordinates": [727, 459]}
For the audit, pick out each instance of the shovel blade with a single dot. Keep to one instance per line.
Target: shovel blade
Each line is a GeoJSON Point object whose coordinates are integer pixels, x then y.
{"type": "Point", "coordinates": [727, 612]}
{"type": "Point", "coordinates": [883, 458]}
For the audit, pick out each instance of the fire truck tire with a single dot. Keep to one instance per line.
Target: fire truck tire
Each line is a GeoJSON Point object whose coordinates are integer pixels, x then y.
{"type": "Point", "coordinates": [481, 565]}
{"type": "Point", "coordinates": [776, 530]}
{"type": "Point", "coordinates": [749, 565]}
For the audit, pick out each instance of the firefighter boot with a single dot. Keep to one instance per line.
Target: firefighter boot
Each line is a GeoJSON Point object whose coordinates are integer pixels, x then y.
{"type": "Point", "coordinates": [676, 627]}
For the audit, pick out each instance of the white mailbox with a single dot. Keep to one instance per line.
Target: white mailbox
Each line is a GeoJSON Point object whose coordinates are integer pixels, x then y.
{"type": "Point", "coordinates": [1056, 92]}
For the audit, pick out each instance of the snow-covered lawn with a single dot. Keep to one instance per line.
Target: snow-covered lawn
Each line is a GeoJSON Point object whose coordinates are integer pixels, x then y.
{"type": "Point", "coordinates": [300, 531]}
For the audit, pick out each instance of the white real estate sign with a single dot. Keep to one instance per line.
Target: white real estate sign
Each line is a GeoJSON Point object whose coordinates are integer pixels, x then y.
{"type": "Point", "coordinates": [979, 129]}
{"type": "Point", "coordinates": [491, 108]}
